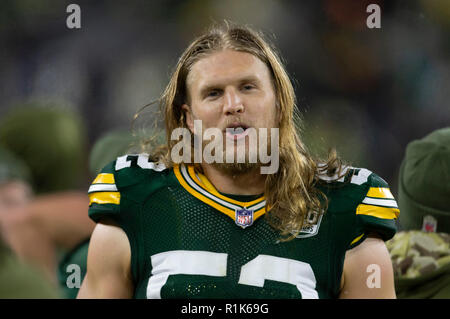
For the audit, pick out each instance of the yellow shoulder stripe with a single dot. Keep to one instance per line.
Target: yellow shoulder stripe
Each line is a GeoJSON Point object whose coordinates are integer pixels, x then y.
{"type": "Point", "coordinates": [104, 178]}
{"type": "Point", "coordinates": [104, 198]}
{"type": "Point", "coordinates": [380, 192]}
{"type": "Point", "coordinates": [377, 211]}
{"type": "Point", "coordinates": [357, 239]}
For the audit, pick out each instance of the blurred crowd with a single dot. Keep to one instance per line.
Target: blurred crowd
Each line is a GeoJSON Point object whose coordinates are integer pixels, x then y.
{"type": "Point", "coordinates": [392, 84]}
{"type": "Point", "coordinates": [367, 92]}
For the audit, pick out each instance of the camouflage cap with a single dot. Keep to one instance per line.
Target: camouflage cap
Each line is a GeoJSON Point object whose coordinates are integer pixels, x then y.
{"type": "Point", "coordinates": [52, 142]}
{"type": "Point", "coordinates": [424, 184]}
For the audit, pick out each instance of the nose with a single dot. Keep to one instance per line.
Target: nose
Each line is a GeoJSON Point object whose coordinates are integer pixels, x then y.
{"type": "Point", "coordinates": [233, 102]}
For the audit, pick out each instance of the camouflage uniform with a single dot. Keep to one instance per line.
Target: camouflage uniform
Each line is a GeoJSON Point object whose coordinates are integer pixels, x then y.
{"type": "Point", "coordinates": [421, 254]}
{"type": "Point", "coordinates": [415, 253]}
{"type": "Point", "coordinates": [421, 264]}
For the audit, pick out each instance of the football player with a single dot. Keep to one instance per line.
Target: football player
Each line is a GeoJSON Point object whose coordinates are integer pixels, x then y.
{"type": "Point", "coordinates": [168, 229]}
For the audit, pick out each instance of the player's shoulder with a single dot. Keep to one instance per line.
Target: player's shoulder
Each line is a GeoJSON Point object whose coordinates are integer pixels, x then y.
{"type": "Point", "coordinates": [362, 202]}
{"type": "Point", "coordinates": [130, 169]}
{"type": "Point", "coordinates": [124, 176]}
{"type": "Point", "coordinates": [354, 182]}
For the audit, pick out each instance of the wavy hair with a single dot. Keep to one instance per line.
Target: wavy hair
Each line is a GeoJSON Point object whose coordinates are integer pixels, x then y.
{"type": "Point", "coordinates": [291, 193]}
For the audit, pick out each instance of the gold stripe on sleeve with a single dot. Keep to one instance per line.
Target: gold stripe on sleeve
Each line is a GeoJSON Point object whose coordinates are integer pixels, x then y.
{"type": "Point", "coordinates": [357, 239]}
{"type": "Point", "coordinates": [104, 198]}
{"type": "Point", "coordinates": [376, 211]}
{"type": "Point", "coordinates": [104, 178]}
{"type": "Point", "coordinates": [380, 192]}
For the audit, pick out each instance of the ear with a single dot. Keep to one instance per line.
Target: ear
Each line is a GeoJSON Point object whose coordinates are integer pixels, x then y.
{"type": "Point", "coordinates": [189, 117]}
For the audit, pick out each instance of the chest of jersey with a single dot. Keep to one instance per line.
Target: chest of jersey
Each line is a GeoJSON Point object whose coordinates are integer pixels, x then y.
{"type": "Point", "coordinates": [188, 249]}
{"type": "Point", "coordinates": [185, 245]}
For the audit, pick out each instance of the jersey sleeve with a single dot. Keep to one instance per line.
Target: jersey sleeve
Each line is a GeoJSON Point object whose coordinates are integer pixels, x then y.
{"type": "Point", "coordinates": [377, 212]}
{"type": "Point", "coordinates": [107, 199]}
{"type": "Point", "coordinates": [104, 195]}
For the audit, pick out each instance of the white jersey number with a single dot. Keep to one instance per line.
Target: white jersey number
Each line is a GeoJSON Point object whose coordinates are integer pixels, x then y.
{"type": "Point", "coordinates": [290, 271]}
{"type": "Point", "coordinates": [253, 273]}
{"type": "Point", "coordinates": [142, 161]}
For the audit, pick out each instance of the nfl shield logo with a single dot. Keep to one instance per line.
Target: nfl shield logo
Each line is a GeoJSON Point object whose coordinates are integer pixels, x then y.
{"type": "Point", "coordinates": [244, 217]}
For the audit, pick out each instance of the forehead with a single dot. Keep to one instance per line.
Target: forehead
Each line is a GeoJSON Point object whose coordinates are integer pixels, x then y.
{"type": "Point", "coordinates": [226, 66]}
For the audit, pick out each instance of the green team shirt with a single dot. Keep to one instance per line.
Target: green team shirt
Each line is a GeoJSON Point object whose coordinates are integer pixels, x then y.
{"type": "Point", "coordinates": [72, 269]}
{"type": "Point", "coordinates": [189, 241]}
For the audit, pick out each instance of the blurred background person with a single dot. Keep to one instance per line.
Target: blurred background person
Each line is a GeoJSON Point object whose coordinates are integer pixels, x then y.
{"type": "Point", "coordinates": [52, 229]}
{"type": "Point", "coordinates": [108, 147]}
{"type": "Point", "coordinates": [18, 278]}
{"type": "Point", "coordinates": [51, 142]}
{"type": "Point", "coordinates": [421, 252]}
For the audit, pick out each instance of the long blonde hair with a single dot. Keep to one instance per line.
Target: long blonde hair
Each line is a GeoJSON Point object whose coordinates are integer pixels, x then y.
{"type": "Point", "coordinates": [291, 192]}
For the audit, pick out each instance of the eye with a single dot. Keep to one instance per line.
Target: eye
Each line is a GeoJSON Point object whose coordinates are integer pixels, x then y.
{"type": "Point", "coordinates": [213, 94]}
{"type": "Point", "coordinates": [248, 87]}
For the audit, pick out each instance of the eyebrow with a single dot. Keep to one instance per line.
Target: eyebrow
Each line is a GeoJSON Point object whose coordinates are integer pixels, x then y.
{"type": "Point", "coordinates": [246, 79]}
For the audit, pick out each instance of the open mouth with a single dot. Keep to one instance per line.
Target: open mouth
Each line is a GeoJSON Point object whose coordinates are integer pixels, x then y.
{"type": "Point", "coordinates": [236, 131]}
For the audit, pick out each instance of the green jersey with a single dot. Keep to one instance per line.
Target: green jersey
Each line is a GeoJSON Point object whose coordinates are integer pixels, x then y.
{"type": "Point", "coordinates": [72, 269]}
{"type": "Point", "coordinates": [190, 241]}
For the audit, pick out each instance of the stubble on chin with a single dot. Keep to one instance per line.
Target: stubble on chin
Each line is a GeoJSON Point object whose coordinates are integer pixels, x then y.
{"type": "Point", "coordinates": [237, 169]}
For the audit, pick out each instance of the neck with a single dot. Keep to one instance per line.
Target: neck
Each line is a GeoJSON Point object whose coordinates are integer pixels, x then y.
{"type": "Point", "coordinates": [247, 183]}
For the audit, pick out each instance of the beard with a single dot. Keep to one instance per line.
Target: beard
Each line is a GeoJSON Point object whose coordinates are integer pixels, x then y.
{"type": "Point", "coordinates": [235, 150]}
{"type": "Point", "coordinates": [236, 169]}
{"type": "Point", "coordinates": [237, 158]}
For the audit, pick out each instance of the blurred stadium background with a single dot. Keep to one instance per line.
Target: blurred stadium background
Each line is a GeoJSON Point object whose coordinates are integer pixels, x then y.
{"type": "Point", "coordinates": [366, 91]}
